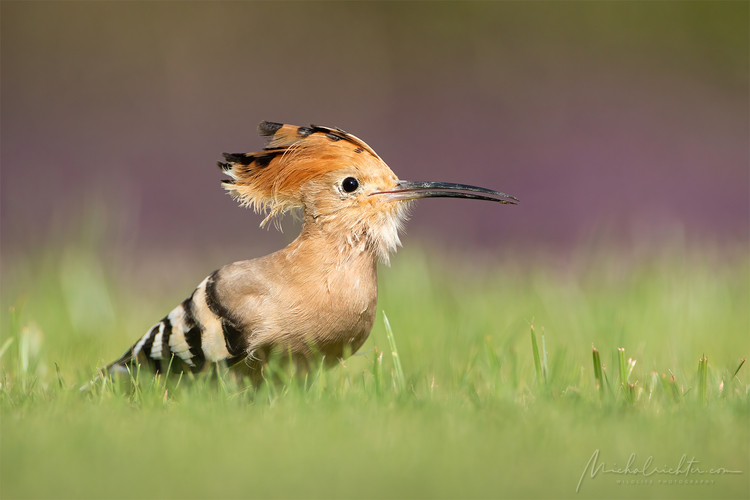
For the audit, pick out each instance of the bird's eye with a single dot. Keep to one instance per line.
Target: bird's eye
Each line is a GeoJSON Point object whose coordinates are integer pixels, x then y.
{"type": "Point", "coordinates": [350, 184]}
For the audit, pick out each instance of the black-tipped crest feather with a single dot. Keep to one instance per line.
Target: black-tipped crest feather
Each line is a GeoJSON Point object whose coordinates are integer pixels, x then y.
{"type": "Point", "coordinates": [268, 128]}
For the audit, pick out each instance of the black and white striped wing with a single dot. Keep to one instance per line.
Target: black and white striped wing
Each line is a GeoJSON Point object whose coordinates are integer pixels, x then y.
{"type": "Point", "coordinates": [197, 331]}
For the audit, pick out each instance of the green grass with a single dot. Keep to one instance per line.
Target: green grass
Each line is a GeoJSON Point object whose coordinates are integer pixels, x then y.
{"type": "Point", "coordinates": [454, 395]}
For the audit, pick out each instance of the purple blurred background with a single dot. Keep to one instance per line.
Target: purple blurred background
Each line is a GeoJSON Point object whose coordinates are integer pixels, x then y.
{"type": "Point", "coordinates": [625, 115]}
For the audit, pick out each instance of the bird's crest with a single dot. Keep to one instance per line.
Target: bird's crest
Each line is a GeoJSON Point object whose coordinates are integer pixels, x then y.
{"type": "Point", "coordinates": [271, 180]}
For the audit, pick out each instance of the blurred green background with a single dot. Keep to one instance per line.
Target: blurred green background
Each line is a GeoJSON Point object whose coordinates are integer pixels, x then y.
{"type": "Point", "coordinates": [622, 127]}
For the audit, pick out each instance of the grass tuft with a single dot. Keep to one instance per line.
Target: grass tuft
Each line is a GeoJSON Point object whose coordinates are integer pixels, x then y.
{"type": "Point", "coordinates": [625, 370]}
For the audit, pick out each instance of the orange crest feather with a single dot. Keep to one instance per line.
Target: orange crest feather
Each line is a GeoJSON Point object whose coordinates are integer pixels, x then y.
{"type": "Point", "coordinates": [271, 180]}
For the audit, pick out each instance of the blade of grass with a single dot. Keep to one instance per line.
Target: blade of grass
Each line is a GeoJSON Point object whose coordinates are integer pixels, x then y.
{"type": "Point", "coordinates": [702, 379]}
{"type": "Point", "coordinates": [535, 351]}
{"type": "Point", "coordinates": [399, 378]}
{"type": "Point", "coordinates": [625, 368]}
{"type": "Point", "coordinates": [545, 361]}
{"type": "Point", "coordinates": [491, 354]}
{"type": "Point", "coordinates": [59, 376]}
{"type": "Point", "coordinates": [621, 366]}
{"type": "Point", "coordinates": [220, 377]}
{"type": "Point", "coordinates": [742, 362]}
{"type": "Point", "coordinates": [377, 372]}
{"type": "Point", "coordinates": [5, 346]}
{"type": "Point", "coordinates": [24, 350]}
{"type": "Point", "coordinates": [319, 378]}
{"type": "Point", "coordinates": [631, 365]}
{"type": "Point", "coordinates": [348, 383]}
{"type": "Point", "coordinates": [735, 385]}
{"type": "Point", "coordinates": [168, 373]}
{"type": "Point", "coordinates": [674, 388]}
{"type": "Point", "coordinates": [607, 384]}
{"type": "Point", "coordinates": [598, 371]}
{"type": "Point", "coordinates": [654, 381]}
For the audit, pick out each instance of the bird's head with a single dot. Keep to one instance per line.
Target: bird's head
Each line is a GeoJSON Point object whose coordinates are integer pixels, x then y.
{"type": "Point", "coordinates": [339, 182]}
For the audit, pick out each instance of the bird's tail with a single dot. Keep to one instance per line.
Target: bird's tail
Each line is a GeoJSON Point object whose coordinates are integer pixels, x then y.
{"type": "Point", "coordinates": [192, 335]}
{"type": "Point", "coordinates": [173, 344]}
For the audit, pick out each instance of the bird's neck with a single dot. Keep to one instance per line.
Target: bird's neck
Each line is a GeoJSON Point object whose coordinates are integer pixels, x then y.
{"type": "Point", "coordinates": [332, 248]}
{"type": "Point", "coordinates": [355, 234]}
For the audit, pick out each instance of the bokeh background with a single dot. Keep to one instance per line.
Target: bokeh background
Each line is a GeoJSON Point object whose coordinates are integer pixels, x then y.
{"type": "Point", "coordinates": [627, 119]}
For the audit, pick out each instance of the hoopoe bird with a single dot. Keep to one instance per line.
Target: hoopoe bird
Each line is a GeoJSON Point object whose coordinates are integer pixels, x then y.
{"type": "Point", "coordinates": [317, 296]}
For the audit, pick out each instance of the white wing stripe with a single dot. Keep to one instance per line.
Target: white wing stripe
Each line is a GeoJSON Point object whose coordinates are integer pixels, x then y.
{"type": "Point", "coordinates": [156, 348]}
{"type": "Point", "coordinates": [137, 348]}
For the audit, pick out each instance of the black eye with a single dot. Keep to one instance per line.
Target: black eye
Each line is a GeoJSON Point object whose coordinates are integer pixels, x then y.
{"type": "Point", "coordinates": [350, 184]}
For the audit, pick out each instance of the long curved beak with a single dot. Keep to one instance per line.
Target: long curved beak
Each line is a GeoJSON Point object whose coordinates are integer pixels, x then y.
{"type": "Point", "coordinates": [412, 190]}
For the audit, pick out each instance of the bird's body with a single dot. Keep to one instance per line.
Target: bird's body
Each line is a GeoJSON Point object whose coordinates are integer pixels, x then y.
{"type": "Point", "coordinates": [319, 294]}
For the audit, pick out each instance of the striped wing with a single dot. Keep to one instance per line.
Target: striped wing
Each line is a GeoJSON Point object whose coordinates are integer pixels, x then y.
{"type": "Point", "coordinates": [197, 331]}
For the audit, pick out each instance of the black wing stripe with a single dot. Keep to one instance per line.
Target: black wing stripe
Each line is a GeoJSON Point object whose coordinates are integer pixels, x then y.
{"type": "Point", "coordinates": [233, 337]}
{"type": "Point", "coordinates": [212, 301]}
{"type": "Point", "coordinates": [193, 336]}
{"type": "Point", "coordinates": [165, 352]}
